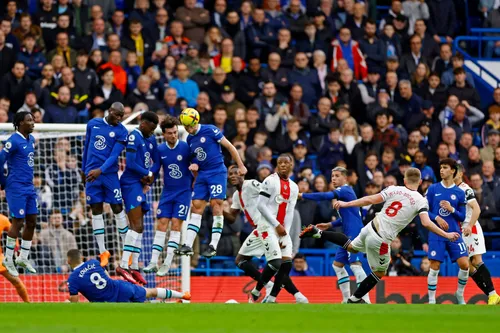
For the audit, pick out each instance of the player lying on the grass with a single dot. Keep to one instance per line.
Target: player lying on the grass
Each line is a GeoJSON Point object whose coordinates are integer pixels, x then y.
{"type": "Point", "coordinates": [447, 208]}
{"type": "Point", "coordinates": [245, 200]}
{"type": "Point", "coordinates": [402, 204]}
{"type": "Point", "coordinates": [141, 153]}
{"type": "Point", "coordinates": [205, 142]}
{"type": "Point", "coordinates": [350, 220]}
{"type": "Point", "coordinates": [105, 139]}
{"type": "Point", "coordinates": [14, 280]}
{"type": "Point", "coordinates": [276, 204]}
{"type": "Point", "coordinates": [474, 240]}
{"type": "Point", "coordinates": [19, 152]}
{"type": "Point", "coordinates": [175, 158]}
{"type": "Point", "coordinates": [92, 281]}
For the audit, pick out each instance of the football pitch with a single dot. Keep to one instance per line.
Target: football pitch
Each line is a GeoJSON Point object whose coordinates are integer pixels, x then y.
{"type": "Point", "coordinates": [289, 318]}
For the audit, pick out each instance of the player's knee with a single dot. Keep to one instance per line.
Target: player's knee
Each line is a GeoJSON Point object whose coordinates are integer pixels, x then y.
{"type": "Point", "coordinates": [380, 274]}
{"type": "Point", "coordinates": [30, 224]}
{"type": "Point", "coordinates": [275, 264]}
{"type": "Point", "coordinates": [435, 265]}
{"type": "Point", "coordinates": [96, 209]}
{"type": "Point", "coordinates": [176, 225]}
{"type": "Point", "coordinates": [198, 206]}
{"type": "Point", "coordinates": [476, 260]}
{"type": "Point", "coordinates": [163, 225]}
{"type": "Point", "coordinates": [463, 264]}
{"type": "Point", "coordinates": [116, 208]}
{"type": "Point", "coordinates": [238, 260]}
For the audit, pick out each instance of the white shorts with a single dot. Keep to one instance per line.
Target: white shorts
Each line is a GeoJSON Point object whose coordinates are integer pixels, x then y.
{"type": "Point", "coordinates": [252, 246]}
{"type": "Point", "coordinates": [377, 251]}
{"type": "Point", "coordinates": [274, 246]}
{"type": "Point", "coordinates": [475, 241]}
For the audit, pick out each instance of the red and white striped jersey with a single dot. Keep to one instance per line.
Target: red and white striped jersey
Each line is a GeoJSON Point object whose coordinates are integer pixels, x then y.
{"type": "Point", "coordinates": [282, 196]}
{"type": "Point", "coordinates": [246, 200]}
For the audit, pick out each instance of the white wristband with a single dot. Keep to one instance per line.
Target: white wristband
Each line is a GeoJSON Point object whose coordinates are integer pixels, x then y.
{"type": "Point", "coordinates": [150, 174]}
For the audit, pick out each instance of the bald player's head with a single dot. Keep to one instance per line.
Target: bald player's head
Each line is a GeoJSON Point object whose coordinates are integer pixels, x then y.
{"type": "Point", "coordinates": [115, 113]}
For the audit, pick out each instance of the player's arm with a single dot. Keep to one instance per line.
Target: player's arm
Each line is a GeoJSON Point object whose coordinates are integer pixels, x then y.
{"type": "Point", "coordinates": [133, 165]}
{"type": "Point", "coordinates": [155, 170]}
{"type": "Point", "coordinates": [318, 196]}
{"type": "Point", "coordinates": [430, 197]}
{"type": "Point", "coordinates": [365, 201]}
{"type": "Point", "coordinates": [7, 150]}
{"type": "Point", "coordinates": [242, 170]}
{"type": "Point", "coordinates": [336, 223]}
{"type": "Point", "coordinates": [74, 298]}
{"type": "Point", "coordinates": [233, 212]}
{"type": "Point", "coordinates": [85, 148]}
{"type": "Point", "coordinates": [429, 225]}
{"type": "Point", "coordinates": [113, 157]}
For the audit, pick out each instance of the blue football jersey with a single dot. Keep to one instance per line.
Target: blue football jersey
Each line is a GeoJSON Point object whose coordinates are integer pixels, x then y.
{"type": "Point", "coordinates": [352, 222]}
{"type": "Point", "coordinates": [146, 151]}
{"type": "Point", "coordinates": [91, 281]}
{"type": "Point", "coordinates": [206, 149]}
{"type": "Point", "coordinates": [19, 152]}
{"type": "Point", "coordinates": [100, 139]}
{"type": "Point", "coordinates": [455, 196]}
{"type": "Point", "coordinates": [175, 162]}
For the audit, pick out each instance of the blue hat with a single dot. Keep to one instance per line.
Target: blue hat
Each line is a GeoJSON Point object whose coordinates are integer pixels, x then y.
{"type": "Point", "coordinates": [299, 143]}
{"type": "Point", "coordinates": [426, 105]}
{"type": "Point", "coordinates": [265, 165]}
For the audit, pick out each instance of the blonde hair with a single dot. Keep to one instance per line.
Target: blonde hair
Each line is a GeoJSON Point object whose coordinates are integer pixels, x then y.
{"type": "Point", "coordinates": [413, 176]}
{"type": "Point", "coordinates": [355, 130]}
{"type": "Point", "coordinates": [210, 45]}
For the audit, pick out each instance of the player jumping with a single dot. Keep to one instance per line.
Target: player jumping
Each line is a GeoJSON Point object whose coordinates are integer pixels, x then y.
{"type": "Point", "coordinates": [104, 141]}
{"type": "Point", "coordinates": [402, 204]}
{"type": "Point", "coordinates": [142, 151]}
{"type": "Point", "coordinates": [474, 239]}
{"type": "Point", "coordinates": [93, 282]}
{"type": "Point", "coordinates": [205, 143]}
{"type": "Point", "coordinates": [175, 197]}
{"type": "Point", "coordinates": [350, 220]}
{"type": "Point", "coordinates": [276, 205]}
{"type": "Point", "coordinates": [447, 209]}
{"type": "Point", "coordinates": [245, 200]}
{"type": "Point", "coordinates": [19, 152]}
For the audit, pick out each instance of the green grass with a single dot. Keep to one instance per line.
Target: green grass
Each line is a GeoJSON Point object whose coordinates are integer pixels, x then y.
{"type": "Point", "coordinates": [289, 318]}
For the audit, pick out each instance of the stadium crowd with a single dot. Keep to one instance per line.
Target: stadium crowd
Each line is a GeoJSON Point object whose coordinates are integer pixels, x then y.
{"type": "Point", "coordinates": [331, 81]}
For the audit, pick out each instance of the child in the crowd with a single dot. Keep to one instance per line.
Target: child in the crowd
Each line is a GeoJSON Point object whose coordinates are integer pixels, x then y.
{"type": "Point", "coordinates": [133, 70]}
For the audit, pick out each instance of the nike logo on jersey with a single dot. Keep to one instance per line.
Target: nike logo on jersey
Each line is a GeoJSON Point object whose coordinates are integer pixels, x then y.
{"type": "Point", "coordinates": [25, 147]}
{"type": "Point", "coordinates": [96, 127]}
{"type": "Point", "coordinates": [437, 194]}
{"type": "Point", "coordinates": [163, 157]}
{"type": "Point", "coordinates": [215, 131]}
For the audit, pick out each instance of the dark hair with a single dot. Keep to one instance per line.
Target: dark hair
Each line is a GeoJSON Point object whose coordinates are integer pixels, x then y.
{"type": "Point", "coordinates": [451, 163]}
{"type": "Point", "coordinates": [150, 116]}
{"type": "Point", "coordinates": [435, 74]}
{"type": "Point", "coordinates": [371, 153]}
{"type": "Point", "coordinates": [55, 211]}
{"type": "Point", "coordinates": [169, 122]}
{"type": "Point", "coordinates": [458, 56]}
{"type": "Point", "coordinates": [287, 155]}
{"type": "Point", "coordinates": [74, 255]}
{"type": "Point", "coordinates": [458, 70]}
{"type": "Point", "coordinates": [371, 21]}
{"type": "Point", "coordinates": [253, 108]}
{"type": "Point", "coordinates": [29, 35]}
{"type": "Point", "coordinates": [18, 117]}
{"type": "Point", "coordinates": [299, 256]}
{"type": "Point", "coordinates": [135, 21]}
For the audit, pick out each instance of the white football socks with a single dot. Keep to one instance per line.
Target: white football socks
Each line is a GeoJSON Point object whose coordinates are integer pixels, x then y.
{"type": "Point", "coordinates": [193, 228]}
{"type": "Point", "coordinates": [463, 276]}
{"type": "Point", "coordinates": [343, 282]}
{"type": "Point", "coordinates": [25, 249]}
{"type": "Point", "coordinates": [9, 249]}
{"type": "Point", "coordinates": [432, 281]}
{"type": "Point", "coordinates": [128, 247]}
{"type": "Point", "coordinates": [217, 226]}
{"type": "Point", "coordinates": [98, 229]}
{"type": "Point", "coordinates": [122, 224]}
{"type": "Point", "coordinates": [173, 243]}
{"type": "Point", "coordinates": [158, 243]}
{"type": "Point", "coordinates": [137, 253]}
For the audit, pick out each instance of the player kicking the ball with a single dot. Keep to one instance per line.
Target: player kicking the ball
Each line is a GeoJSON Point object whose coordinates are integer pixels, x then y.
{"type": "Point", "coordinates": [142, 151]}
{"type": "Point", "coordinates": [245, 200]}
{"type": "Point", "coordinates": [350, 220]}
{"type": "Point", "coordinates": [205, 143]}
{"type": "Point", "coordinates": [105, 139]}
{"type": "Point", "coordinates": [19, 152]}
{"type": "Point", "coordinates": [402, 204]}
{"type": "Point", "coordinates": [176, 195]}
{"type": "Point", "coordinates": [93, 282]}
{"type": "Point", "coordinates": [276, 205]}
{"type": "Point", "coordinates": [474, 239]}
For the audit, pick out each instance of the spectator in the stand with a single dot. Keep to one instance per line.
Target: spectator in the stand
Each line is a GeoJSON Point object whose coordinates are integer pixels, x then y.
{"type": "Point", "coordinates": [142, 13]}
{"type": "Point", "coordinates": [44, 85]}
{"type": "Point", "coordinates": [85, 77]}
{"type": "Point", "coordinates": [434, 91]}
{"type": "Point", "coordinates": [415, 10]}
{"type": "Point", "coordinates": [96, 40]}
{"type": "Point", "coordinates": [349, 49]}
{"type": "Point", "coordinates": [394, 11]}
{"type": "Point", "coordinates": [274, 14]}
{"type": "Point", "coordinates": [106, 93]}
{"type": "Point", "coordinates": [388, 163]}
{"type": "Point", "coordinates": [493, 122]}
{"type": "Point", "coordinates": [486, 200]}
{"type": "Point", "coordinates": [275, 73]}
{"type": "Point", "coordinates": [333, 91]}
{"type": "Point", "coordinates": [370, 166]}
{"type": "Point", "coordinates": [319, 63]}
{"type": "Point", "coordinates": [268, 102]}
{"type": "Point", "coordinates": [46, 17]}
{"type": "Point", "coordinates": [64, 25]}
{"type": "Point", "coordinates": [231, 104]}
{"type": "Point", "coordinates": [113, 43]}
{"type": "Point", "coordinates": [349, 134]}
{"type": "Point", "coordinates": [457, 152]}
{"type": "Point", "coordinates": [356, 22]}
{"type": "Point", "coordinates": [384, 105]}
{"type": "Point", "coordinates": [233, 30]}
{"type": "Point", "coordinates": [80, 16]}
{"type": "Point", "coordinates": [159, 30]}
{"type": "Point", "coordinates": [430, 48]}
{"type": "Point", "coordinates": [217, 17]}
{"type": "Point", "coordinates": [216, 85]}
{"type": "Point", "coordinates": [420, 162]}
{"type": "Point", "coordinates": [493, 22]}
{"type": "Point", "coordinates": [488, 151]}
{"type": "Point", "coordinates": [10, 40]}
{"type": "Point", "coordinates": [108, 6]}
{"type": "Point", "coordinates": [193, 19]}
{"type": "Point", "coordinates": [204, 108]}
{"type": "Point", "coordinates": [96, 13]}
{"type": "Point", "coordinates": [410, 61]}
{"type": "Point", "coordinates": [448, 77]}
{"type": "Point", "coordinates": [296, 105]}
{"type": "Point", "coordinates": [310, 43]}
{"type": "Point", "coordinates": [410, 102]}
{"type": "Point", "coordinates": [300, 156]}
{"type": "Point", "coordinates": [296, 19]}
{"type": "Point", "coordinates": [447, 113]}
{"type": "Point", "coordinates": [31, 57]}
{"type": "Point", "coordinates": [259, 34]}
{"type": "Point", "coordinates": [192, 60]}
{"type": "Point", "coordinates": [293, 135]}
{"type": "Point", "coordinates": [222, 123]}
{"type": "Point", "coordinates": [496, 161]}
{"type": "Point", "coordinates": [186, 88]}
{"type": "Point", "coordinates": [384, 133]}
{"type": "Point", "coordinates": [444, 62]}
{"type": "Point", "coordinates": [321, 123]}
{"type": "Point", "coordinates": [27, 27]}
{"type": "Point", "coordinates": [466, 140]}
{"type": "Point", "coordinates": [391, 42]}
{"type": "Point", "coordinates": [250, 85]}
{"type": "Point", "coordinates": [79, 97]}
{"type": "Point", "coordinates": [59, 240]}
{"type": "Point", "coordinates": [139, 41]}
{"type": "Point", "coordinates": [30, 103]}
{"type": "Point", "coordinates": [300, 266]}
{"type": "Point", "coordinates": [169, 104]}
{"type": "Point", "coordinates": [463, 90]}
{"type": "Point", "coordinates": [285, 48]}
{"type": "Point", "coordinates": [419, 77]}
{"type": "Point", "coordinates": [212, 42]}
{"type": "Point", "coordinates": [63, 49]}
{"type": "Point", "coordinates": [475, 163]}
{"type": "Point", "coordinates": [14, 86]}
{"type": "Point", "coordinates": [61, 112]}
{"type": "Point", "coordinates": [372, 47]}
{"type": "Point", "coordinates": [332, 151]}
{"type": "Point", "coordinates": [464, 117]}
{"type": "Point", "coordinates": [176, 42]}
{"type": "Point", "coordinates": [442, 20]}
{"type": "Point", "coordinates": [367, 144]}
{"type": "Point", "coordinates": [95, 60]}
{"type": "Point", "coordinates": [325, 31]}
{"type": "Point", "coordinates": [143, 94]}
{"type": "Point", "coordinates": [350, 88]}
{"type": "Point", "coordinates": [120, 78]}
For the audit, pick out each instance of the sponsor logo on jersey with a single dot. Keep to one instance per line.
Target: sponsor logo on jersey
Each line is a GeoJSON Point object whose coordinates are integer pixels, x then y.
{"type": "Point", "coordinates": [443, 212]}
{"type": "Point", "coordinates": [100, 143]}
{"type": "Point", "coordinates": [111, 134]}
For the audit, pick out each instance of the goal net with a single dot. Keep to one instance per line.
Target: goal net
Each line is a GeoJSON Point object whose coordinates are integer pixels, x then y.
{"type": "Point", "coordinates": [60, 188]}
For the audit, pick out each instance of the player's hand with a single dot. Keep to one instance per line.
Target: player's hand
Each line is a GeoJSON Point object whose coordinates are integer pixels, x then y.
{"type": "Point", "coordinates": [146, 188]}
{"type": "Point", "coordinates": [299, 196]}
{"type": "Point", "coordinates": [93, 175]}
{"type": "Point", "coordinates": [242, 170]}
{"type": "Point", "coordinates": [194, 167]}
{"type": "Point", "coordinates": [339, 204]}
{"type": "Point", "coordinates": [425, 247]}
{"type": "Point", "coordinates": [452, 236]}
{"type": "Point", "coordinates": [446, 205]}
{"type": "Point", "coordinates": [442, 223]}
{"type": "Point", "coordinates": [323, 226]}
{"type": "Point", "coordinates": [281, 230]}
{"type": "Point", "coordinates": [467, 230]}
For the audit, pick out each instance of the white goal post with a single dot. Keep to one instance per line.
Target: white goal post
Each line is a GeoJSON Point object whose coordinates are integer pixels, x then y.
{"type": "Point", "coordinates": [59, 150]}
